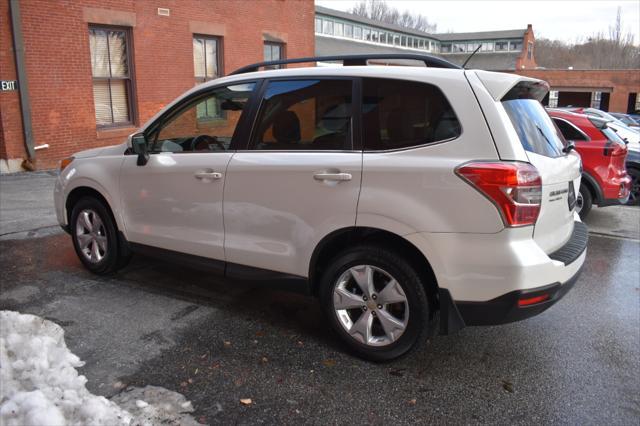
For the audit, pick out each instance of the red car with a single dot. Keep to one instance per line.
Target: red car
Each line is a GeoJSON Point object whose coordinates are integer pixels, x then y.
{"type": "Point", "coordinates": [605, 181]}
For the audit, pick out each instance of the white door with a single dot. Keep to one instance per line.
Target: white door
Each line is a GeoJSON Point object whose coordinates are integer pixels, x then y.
{"type": "Point", "coordinates": [298, 180]}
{"type": "Point", "coordinates": [174, 201]}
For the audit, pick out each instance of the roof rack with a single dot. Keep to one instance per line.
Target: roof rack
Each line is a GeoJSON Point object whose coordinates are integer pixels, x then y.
{"type": "Point", "coordinates": [350, 60]}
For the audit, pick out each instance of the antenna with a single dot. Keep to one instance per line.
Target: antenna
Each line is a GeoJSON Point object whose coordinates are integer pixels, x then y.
{"type": "Point", "coordinates": [471, 56]}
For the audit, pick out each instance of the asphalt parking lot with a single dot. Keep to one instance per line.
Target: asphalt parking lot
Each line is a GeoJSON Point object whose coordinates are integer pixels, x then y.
{"type": "Point", "coordinates": [165, 325]}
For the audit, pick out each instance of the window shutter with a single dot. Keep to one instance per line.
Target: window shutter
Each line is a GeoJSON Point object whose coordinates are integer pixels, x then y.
{"type": "Point", "coordinates": [102, 101]}
{"type": "Point", "coordinates": [119, 101]}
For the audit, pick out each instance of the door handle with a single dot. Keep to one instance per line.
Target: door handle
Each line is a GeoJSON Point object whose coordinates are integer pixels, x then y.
{"type": "Point", "coordinates": [207, 175]}
{"type": "Point", "coordinates": [338, 177]}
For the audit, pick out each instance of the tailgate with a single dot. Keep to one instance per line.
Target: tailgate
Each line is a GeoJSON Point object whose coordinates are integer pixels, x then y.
{"type": "Point", "coordinates": [560, 184]}
{"type": "Point", "coordinates": [559, 171]}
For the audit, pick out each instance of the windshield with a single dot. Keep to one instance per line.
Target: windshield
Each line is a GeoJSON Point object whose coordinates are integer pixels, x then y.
{"type": "Point", "coordinates": [536, 130]}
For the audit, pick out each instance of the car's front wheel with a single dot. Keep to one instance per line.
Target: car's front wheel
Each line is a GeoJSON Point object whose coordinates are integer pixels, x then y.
{"type": "Point", "coordinates": [95, 237]}
{"type": "Point", "coordinates": [376, 302]}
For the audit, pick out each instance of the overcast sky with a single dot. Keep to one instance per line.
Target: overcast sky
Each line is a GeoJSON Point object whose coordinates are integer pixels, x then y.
{"type": "Point", "coordinates": [555, 19]}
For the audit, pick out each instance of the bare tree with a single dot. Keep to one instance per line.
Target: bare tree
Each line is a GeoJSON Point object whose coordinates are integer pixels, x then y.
{"type": "Point", "coordinates": [614, 50]}
{"type": "Point", "coordinates": [379, 10]}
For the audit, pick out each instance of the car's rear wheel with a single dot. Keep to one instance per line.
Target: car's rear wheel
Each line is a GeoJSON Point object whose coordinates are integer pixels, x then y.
{"type": "Point", "coordinates": [584, 201]}
{"type": "Point", "coordinates": [375, 301]}
{"type": "Point", "coordinates": [95, 237]}
{"type": "Point", "coordinates": [634, 196]}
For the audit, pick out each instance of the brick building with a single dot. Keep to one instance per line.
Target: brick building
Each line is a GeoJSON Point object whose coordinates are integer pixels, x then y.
{"type": "Point", "coordinates": [344, 33]}
{"type": "Point", "coordinates": [93, 70]}
{"type": "Point", "coordinates": [512, 51]}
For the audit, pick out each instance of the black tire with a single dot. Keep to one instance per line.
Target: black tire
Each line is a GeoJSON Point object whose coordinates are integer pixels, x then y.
{"type": "Point", "coordinates": [587, 201]}
{"type": "Point", "coordinates": [417, 325]}
{"type": "Point", "coordinates": [114, 257]}
{"type": "Point", "coordinates": [634, 196]}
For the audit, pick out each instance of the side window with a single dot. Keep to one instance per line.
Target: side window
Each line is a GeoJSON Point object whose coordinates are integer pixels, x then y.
{"type": "Point", "coordinates": [400, 114]}
{"type": "Point", "coordinates": [305, 115]}
{"type": "Point", "coordinates": [569, 132]}
{"type": "Point", "coordinates": [190, 130]}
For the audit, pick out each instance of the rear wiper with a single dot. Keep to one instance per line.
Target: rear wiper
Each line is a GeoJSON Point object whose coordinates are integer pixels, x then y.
{"type": "Point", "coordinates": [570, 146]}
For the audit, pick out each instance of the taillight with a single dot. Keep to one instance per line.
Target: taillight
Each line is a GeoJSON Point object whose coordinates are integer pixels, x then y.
{"type": "Point", "coordinates": [515, 188]}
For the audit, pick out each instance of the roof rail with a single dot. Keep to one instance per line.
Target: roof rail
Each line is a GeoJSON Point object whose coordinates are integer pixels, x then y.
{"type": "Point", "coordinates": [347, 60]}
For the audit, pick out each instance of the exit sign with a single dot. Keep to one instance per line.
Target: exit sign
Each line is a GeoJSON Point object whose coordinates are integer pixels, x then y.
{"type": "Point", "coordinates": [8, 85]}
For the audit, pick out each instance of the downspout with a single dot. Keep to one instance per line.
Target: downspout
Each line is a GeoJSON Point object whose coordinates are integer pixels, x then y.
{"type": "Point", "coordinates": [23, 85]}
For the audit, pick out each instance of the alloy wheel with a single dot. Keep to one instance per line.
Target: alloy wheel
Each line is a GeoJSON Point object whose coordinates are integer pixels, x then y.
{"type": "Point", "coordinates": [91, 236]}
{"type": "Point", "coordinates": [579, 203]}
{"type": "Point", "coordinates": [370, 305]}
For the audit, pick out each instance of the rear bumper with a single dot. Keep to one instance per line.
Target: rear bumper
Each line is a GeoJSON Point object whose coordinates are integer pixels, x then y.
{"type": "Point", "coordinates": [519, 303]}
{"type": "Point", "coordinates": [505, 308]}
{"type": "Point", "coordinates": [616, 192]}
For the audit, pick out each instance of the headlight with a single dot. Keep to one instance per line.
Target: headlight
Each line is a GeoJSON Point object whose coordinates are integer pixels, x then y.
{"type": "Point", "coordinates": [65, 162]}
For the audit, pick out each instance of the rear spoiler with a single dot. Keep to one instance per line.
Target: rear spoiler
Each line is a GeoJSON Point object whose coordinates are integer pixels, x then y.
{"type": "Point", "coordinates": [504, 87]}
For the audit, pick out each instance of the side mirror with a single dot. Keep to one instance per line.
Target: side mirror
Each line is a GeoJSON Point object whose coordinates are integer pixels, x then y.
{"type": "Point", "coordinates": [139, 146]}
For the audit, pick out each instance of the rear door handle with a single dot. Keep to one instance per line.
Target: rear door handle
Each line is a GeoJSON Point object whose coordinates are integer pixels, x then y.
{"type": "Point", "coordinates": [208, 175]}
{"type": "Point", "coordinates": [338, 177]}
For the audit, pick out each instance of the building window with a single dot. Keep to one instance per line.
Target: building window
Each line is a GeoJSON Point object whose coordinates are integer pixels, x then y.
{"type": "Point", "coordinates": [487, 46]}
{"type": "Point", "coordinates": [445, 48]}
{"type": "Point", "coordinates": [473, 46]}
{"type": "Point", "coordinates": [338, 29]}
{"type": "Point", "coordinates": [206, 58]}
{"type": "Point", "coordinates": [357, 33]}
{"type": "Point", "coordinates": [327, 27]}
{"type": "Point", "coordinates": [530, 50]}
{"type": "Point", "coordinates": [596, 99]}
{"type": "Point", "coordinates": [318, 26]}
{"type": "Point", "coordinates": [348, 30]}
{"type": "Point", "coordinates": [273, 52]}
{"type": "Point", "coordinates": [501, 46]}
{"type": "Point", "coordinates": [111, 71]}
{"type": "Point", "coordinates": [366, 34]}
{"type": "Point", "coordinates": [515, 46]}
{"type": "Point", "coordinates": [459, 47]}
{"type": "Point", "coordinates": [553, 99]}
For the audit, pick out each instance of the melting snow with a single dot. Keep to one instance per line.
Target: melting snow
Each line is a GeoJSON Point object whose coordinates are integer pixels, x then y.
{"type": "Point", "coordinates": [39, 384]}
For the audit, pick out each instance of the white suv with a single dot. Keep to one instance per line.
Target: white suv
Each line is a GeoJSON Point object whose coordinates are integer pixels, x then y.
{"type": "Point", "coordinates": [408, 199]}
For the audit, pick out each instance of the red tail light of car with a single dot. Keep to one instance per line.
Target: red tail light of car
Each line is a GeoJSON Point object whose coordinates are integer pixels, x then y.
{"type": "Point", "coordinates": [515, 188]}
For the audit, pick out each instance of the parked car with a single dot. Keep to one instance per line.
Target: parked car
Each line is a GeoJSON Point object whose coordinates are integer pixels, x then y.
{"type": "Point", "coordinates": [627, 134]}
{"type": "Point", "coordinates": [604, 179]}
{"type": "Point", "coordinates": [633, 169]}
{"type": "Point", "coordinates": [626, 119]}
{"type": "Point", "coordinates": [409, 200]}
{"type": "Point", "coordinates": [594, 112]}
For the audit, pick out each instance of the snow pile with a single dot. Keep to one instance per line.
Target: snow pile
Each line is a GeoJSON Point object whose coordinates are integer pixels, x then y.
{"type": "Point", "coordinates": [39, 384]}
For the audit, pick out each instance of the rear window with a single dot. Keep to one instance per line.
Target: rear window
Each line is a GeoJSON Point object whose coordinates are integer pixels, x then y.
{"type": "Point", "coordinates": [569, 131]}
{"type": "Point", "coordinates": [535, 129]}
{"type": "Point", "coordinates": [400, 114]}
